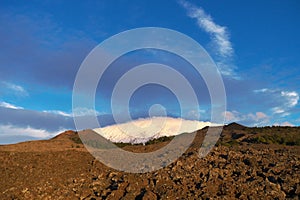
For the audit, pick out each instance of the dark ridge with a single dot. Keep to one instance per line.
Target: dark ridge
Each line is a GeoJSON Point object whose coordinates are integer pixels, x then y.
{"type": "Point", "coordinates": [65, 134]}
{"type": "Point", "coordinates": [235, 126]}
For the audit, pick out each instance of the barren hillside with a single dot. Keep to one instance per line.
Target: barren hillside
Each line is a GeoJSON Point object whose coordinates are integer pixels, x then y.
{"type": "Point", "coordinates": [247, 163]}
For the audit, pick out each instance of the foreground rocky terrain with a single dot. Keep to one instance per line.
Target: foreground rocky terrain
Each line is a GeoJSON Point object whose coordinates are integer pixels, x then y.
{"type": "Point", "coordinates": [247, 163]}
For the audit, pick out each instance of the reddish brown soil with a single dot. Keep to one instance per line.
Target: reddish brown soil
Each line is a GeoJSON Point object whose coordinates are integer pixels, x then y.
{"type": "Point", "coordinates": [60, 168]}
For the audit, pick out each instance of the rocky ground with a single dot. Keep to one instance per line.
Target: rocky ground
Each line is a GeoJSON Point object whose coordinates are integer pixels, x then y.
{"type": "Point", "coordinates": [237, 168]}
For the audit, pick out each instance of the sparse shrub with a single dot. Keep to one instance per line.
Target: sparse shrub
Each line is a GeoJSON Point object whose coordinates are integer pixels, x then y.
{"type": "Point", "coordinates": [158, 140]}
{"type": "Point", "coordinates": [278, 135]}
{"type": "Point", "coordinates": [76, 139]}
{"type": "Point", "coordinates": [121, 144]}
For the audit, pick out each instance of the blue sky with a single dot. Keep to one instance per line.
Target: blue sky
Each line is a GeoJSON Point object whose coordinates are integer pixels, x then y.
{"type": "Point", "coordinates": [254, 43]}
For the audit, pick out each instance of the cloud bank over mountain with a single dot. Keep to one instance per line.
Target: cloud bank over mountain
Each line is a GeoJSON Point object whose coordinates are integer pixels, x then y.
{"type": "Point", "coordinates": [145, 129]}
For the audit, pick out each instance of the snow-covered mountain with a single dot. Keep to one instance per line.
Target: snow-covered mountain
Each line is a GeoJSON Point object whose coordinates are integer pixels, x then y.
{"type": "Point", "coordinates": [145, 129]}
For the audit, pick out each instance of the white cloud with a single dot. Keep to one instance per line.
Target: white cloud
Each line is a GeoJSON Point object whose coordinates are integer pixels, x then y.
{"type": "Point", "coordinates": [8, 105]}
{"type": "Point", "coordinates": [262, 90]}
{"type": "Point", "coordinates": [256, 119]}
{"type": "Point", "coordinates": [283, 124]}
{"type": "Point", "coordinates": [195, 114]}
{"type": "Point", "coordinates": [261, 115]}
{"type": "Point", "coordinates": [76, 112]}
{"type": "Point", "coordinates": [231, 116]}
{"type": "Point", "coordinates": [59, 112]}
{"type": "Point", "coordinates": [85, 112]}
{"type": "Point", "coordinates": [292, 98]}
{"type": "Point", "coordinates": [218, 34]}
{"type": "Point", "coordinates": [35, 119]}
{"type": "Point", "coordinates": [285, 100]}
{"type": "Point", "coordinates": [17, 89]}
{"type": "Point", "coordinates": [10, 130]}
{"type": "Point", "coordinates": [287, 124]}
{"type": "Point", "coordinates": [277, 110]}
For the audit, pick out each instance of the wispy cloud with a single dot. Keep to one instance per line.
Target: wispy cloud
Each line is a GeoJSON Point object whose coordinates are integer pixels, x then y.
{"type": "Point", "coordinates": [284, 124]}
{"type": "Point", "coordinates": [9, 105]}
{"type": "Point", "coordinates": [80, 111]}
{"type": "Point", "coordinates": [58, 112]}
{"type": "Point", "coordinates": [35, 119]}
{"type": "Point", "coordinates": [256, 119]}
{"type": "Point", "coordinates": [283, 100]}
{"type": "Point", "coordinates": [77, 112]}
{"type": "Point", "coordinates": [10, 130]}
{"type": "Point", "coordinates": [218, 34]}
{"type": "Point", "coordinates": [292, 98]}
{"type": "Point", "coordinates": [16, 89]}
{"type": "Point", "coordinates": [263, 90]}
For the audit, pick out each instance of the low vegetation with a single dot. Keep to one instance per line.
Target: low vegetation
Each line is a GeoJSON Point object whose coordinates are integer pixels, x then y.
{"type": "Point", "coordinates": [158, 140]}
{"type": "Point", "coordinates": [289, 136]}
{"type": "Point", "coordinates": [76, 139]}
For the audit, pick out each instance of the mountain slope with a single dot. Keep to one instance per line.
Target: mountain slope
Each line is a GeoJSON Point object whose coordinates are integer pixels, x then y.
{"type": "Point", "coordinates": [61, 168]}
